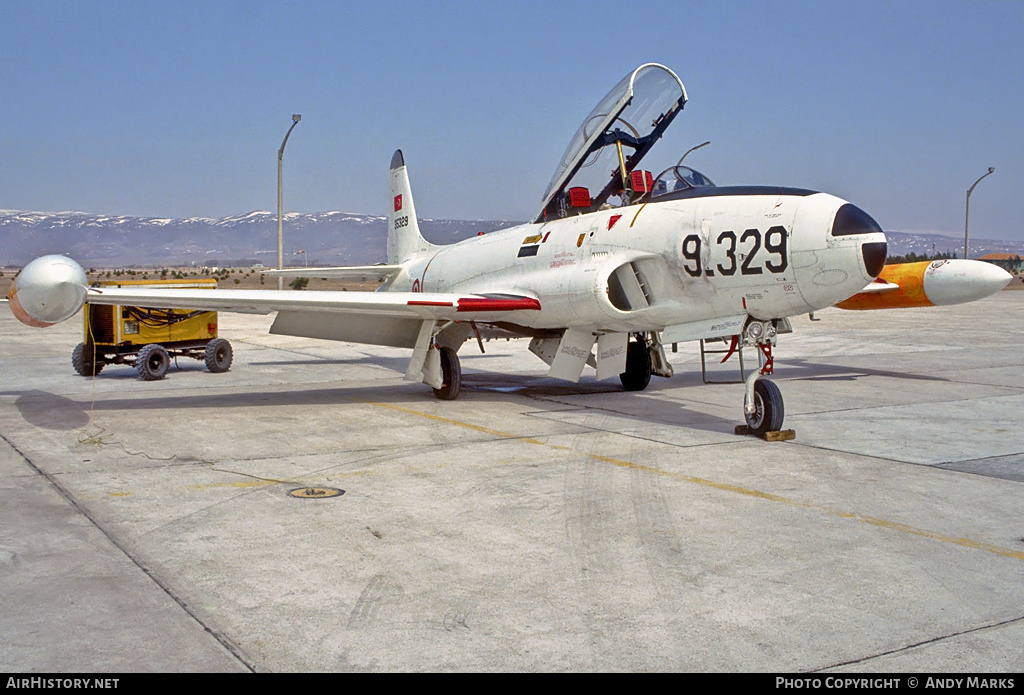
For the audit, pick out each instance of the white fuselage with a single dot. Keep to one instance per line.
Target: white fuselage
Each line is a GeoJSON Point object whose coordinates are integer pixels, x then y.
{"type": "Point", "coordinates": [647, 267]}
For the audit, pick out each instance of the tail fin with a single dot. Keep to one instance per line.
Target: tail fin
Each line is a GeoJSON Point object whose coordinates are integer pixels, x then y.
{"type": "Point", "coordinates": [404, 238]}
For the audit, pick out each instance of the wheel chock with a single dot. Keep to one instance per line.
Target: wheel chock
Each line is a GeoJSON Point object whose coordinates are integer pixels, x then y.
{"type": "Point", "coordinates": [770, 436]}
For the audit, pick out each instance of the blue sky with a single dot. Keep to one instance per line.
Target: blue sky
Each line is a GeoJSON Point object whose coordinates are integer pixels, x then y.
{"type": "Point", "coordinates": [177, 108]}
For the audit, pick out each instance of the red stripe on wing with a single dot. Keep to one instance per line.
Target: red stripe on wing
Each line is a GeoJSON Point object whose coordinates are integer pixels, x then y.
{"type": "Point", "coordinates": [494, 304]}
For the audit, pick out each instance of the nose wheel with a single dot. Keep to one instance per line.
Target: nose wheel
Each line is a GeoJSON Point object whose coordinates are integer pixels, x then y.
{"type": "Point", "coordinates": [768, 410]}
{"type": "Point", "coordinates": [763, 408]}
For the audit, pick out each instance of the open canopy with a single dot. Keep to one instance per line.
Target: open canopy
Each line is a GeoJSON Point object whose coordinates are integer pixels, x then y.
{"type": "Point", "coordinates": [613, 139]}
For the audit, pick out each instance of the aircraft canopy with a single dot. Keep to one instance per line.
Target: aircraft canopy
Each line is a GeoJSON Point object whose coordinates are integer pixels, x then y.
{"type": "Point", "coordinates": [633, 115]}
{"type": "Point", "coordinates": [679, 178]}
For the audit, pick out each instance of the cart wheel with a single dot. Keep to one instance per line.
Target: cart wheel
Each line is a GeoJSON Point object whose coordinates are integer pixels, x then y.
{"type": "Point", "coordinates": [152, 362]}
{"type": "Point", "coordinates": [218, 355]}
{"type": "Point", "coordinates": [82, 359]}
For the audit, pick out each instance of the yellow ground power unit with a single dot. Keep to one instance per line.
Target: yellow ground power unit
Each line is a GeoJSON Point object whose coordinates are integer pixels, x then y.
{"type": "Point", "coordinates": [149, 338]}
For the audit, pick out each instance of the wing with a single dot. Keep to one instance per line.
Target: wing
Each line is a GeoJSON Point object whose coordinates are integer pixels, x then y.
{"type": "Point", "coordinates": [396, 319]}
{"type": "Point", "coordinates": [414, 305]}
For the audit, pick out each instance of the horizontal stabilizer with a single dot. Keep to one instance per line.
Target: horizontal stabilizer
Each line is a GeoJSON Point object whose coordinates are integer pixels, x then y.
{"type": "Point", "coordinates": [352, 273]}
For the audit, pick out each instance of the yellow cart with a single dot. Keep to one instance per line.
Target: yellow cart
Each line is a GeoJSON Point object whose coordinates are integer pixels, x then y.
{"type": "Point", "coordinates": [149, 338]}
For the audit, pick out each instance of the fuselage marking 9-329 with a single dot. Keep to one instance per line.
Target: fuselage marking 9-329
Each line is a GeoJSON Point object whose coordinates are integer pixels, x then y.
{"type": "Point", "coordinates": [751, 241]}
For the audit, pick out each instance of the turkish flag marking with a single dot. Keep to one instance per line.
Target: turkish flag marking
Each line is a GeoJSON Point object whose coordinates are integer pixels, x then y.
{"type": "Point", "coordinates": [398, 202]}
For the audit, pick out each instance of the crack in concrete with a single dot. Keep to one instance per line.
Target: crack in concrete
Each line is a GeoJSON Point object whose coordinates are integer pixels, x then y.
{"type": "Point", "coordinates": [222, 640]}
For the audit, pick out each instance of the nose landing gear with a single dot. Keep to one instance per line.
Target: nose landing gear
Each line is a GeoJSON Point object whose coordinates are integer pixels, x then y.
{"type": "Point", "coordinates": [764, 411]}
{"type": "Point", "coordinates": [763, 407]}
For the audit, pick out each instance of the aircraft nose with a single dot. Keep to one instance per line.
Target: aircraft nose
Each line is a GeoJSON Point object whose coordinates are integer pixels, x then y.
{"type": "Point", "coordinates": [874, 253]}
{"type": "Point", "coordinates": [850, 220]}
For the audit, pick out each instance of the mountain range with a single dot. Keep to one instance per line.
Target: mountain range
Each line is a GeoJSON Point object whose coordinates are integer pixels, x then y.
{"type": "Point", "coordinates": [328, 238]}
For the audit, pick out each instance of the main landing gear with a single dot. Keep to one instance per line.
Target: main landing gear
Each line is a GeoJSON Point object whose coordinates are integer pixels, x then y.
{"type": "Point", "coordinates": [645, 357]}
{"type": "Point", "coordinates": [451, 375]}
{"type": "Point", "coordinates": [638, 366]}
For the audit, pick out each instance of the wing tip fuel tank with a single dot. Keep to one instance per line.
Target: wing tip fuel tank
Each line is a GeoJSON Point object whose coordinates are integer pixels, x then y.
{"type": "Point", "coordinates": [932, 283]}
{"type": "Point", "coordinates": [48, 290]}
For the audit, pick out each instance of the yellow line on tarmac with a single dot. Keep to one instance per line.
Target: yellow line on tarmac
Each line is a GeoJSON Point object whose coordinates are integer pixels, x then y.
{"type": "Point", "coordinates": [478, 428]}
{"type": "Point", "coordinates": [255, 483]}
{"type": "Point", "coordinates": [726, 487]}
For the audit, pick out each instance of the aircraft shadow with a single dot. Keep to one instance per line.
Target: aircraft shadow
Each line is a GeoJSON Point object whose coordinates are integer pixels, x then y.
{"type": "Point", "coordinates": [805, 370]}
{"type": "Point", "coordinates": [50, 411]}
{"type": "Point", "coordinates": [55, 412]}
{"type": "Point", "coordinates": [395, 364]}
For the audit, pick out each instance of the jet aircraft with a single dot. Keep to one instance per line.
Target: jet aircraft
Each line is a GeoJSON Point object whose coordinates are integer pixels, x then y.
{"type": "Point", "coordinates": [616, 258]}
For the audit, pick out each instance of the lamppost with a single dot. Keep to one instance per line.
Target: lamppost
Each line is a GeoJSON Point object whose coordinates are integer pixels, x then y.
{"type": "Point", "coordinates": [967, 215]}
{"type": "Point", "coordinates": [280, 215]}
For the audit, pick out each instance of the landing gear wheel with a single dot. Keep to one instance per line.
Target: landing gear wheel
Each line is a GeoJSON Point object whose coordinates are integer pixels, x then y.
{"type": "Point", "coordinates": [768, 408]}
{"type": "Point", "coordinates": [152, 362]}
{"type": "Point", "coordinates": [84, 362]}
{"type": "Point", "coordinates": [218, 355]}
{"type": "Point", "coordinates": [451, 374]}
{"type": "Point", "coordinates": [638, 367]}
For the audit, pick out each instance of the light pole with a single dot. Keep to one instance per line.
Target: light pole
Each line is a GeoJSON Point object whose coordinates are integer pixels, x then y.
{"type": "Point", "coordinates": [280, 215]}
{"type": "Point", "coordinates": [967, 215]}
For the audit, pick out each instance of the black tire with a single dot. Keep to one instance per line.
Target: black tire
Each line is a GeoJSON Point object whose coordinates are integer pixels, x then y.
{"type": "Point", "coordinates": [218, 355]}
{"type": "Point", "coordinates": [152, 362]}
{"type": "Point", "coordinates": [769, 410]}
{"type": "Point", "coordinates": [638, 367]}
{"type": "Point", "coordinates": [84, 362]}
{"type": "Point", "coordinates": [451, 375]}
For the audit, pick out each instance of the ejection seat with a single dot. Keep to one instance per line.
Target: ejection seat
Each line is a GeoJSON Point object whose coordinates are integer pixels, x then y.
{"type": "Point", "coordinates": [579, 200]}
{"type": "Point", "coordinates": [642, 183]}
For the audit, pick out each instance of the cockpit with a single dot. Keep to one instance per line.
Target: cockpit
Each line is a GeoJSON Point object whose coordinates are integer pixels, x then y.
{"type": "Point", "coordinates": [603, 157]}
{"type": "Point", "coordinates": [640, 187]}
{"type": "Point", "coordinates": [679, 178]}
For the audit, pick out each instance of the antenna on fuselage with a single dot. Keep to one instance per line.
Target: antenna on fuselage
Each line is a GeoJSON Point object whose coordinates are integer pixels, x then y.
{"type": "Point", "coordinates": [697, 147]}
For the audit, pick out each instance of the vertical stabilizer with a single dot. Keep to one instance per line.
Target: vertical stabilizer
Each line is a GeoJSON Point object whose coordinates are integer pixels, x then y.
{"type": "Point", "coordinates": [404, 239]}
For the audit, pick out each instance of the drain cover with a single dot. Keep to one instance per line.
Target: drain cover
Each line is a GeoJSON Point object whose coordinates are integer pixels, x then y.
{"type": "Point", "coordinates": [315, 493]}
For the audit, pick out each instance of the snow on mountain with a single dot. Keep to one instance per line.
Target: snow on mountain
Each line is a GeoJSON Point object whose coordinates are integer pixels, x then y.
{"type": "Point", "coordinates": [331, 237]}
{"type": "Point", "coordinates": [928, 242]}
